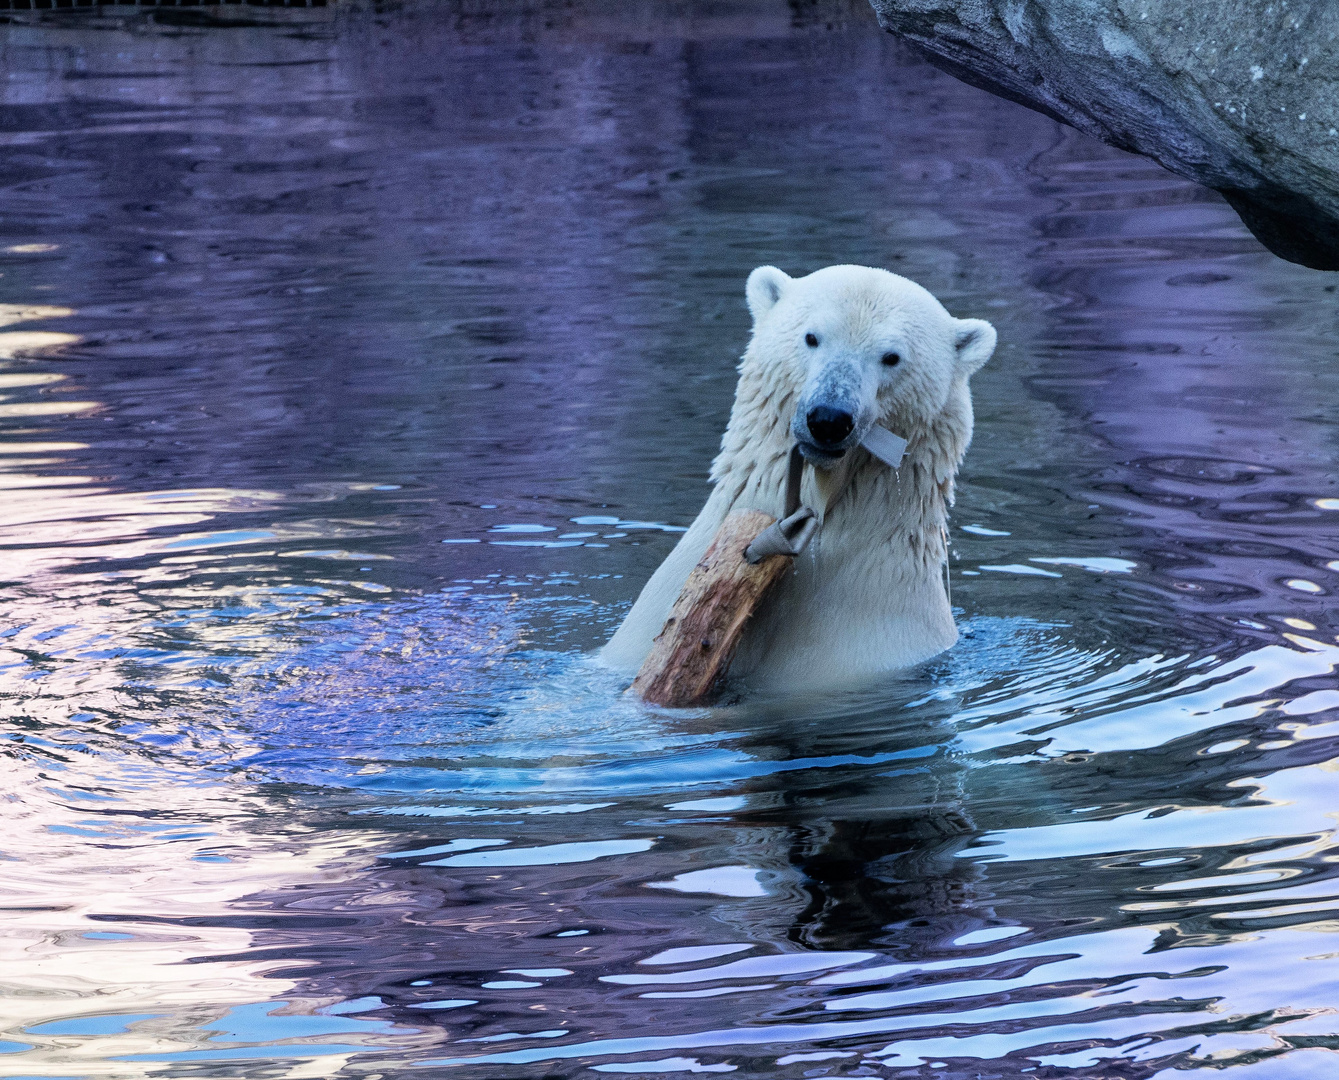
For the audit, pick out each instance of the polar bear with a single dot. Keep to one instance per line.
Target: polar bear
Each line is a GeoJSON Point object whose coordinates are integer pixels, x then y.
{"type": "Point", "coordinates": [832, 355]}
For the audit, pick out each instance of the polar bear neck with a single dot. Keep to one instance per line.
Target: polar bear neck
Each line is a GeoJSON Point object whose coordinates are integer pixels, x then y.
{"type": "Point", "coordinates": [879, 510]}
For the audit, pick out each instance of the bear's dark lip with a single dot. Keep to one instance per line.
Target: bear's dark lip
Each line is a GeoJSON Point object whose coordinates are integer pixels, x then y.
{"type": "Point", "coordinates": [822, 458]}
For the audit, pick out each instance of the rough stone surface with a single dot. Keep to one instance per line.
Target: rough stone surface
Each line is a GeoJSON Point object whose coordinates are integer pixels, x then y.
{"type": "Point", "coordinates": [1239, 95]}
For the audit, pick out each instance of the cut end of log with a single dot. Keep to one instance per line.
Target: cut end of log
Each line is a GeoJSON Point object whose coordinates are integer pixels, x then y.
{"type": "Point", "coordinates": [690, 656]}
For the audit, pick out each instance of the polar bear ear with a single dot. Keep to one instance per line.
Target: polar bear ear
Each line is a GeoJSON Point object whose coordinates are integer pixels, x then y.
{"type": "Point", "coordinates": [974, 340]}
{"type": "Point", "coordinates": [764, 289]}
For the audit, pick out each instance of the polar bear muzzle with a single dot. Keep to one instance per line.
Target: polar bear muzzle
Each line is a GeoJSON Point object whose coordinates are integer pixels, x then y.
{"type": "Point", "coordinates": [829, 428]}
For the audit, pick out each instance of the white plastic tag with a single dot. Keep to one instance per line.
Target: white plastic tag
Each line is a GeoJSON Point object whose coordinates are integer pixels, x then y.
{"type": "Point", "coordinates": [885, 446]}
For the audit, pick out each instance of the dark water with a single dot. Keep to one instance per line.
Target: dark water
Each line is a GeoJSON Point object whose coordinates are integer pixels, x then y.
{"type": "Point", "coordinates": [395, 347]}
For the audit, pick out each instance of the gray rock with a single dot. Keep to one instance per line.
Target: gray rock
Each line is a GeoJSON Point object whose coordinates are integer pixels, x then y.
{"type": "Point", "coordinates": [1239, 95]}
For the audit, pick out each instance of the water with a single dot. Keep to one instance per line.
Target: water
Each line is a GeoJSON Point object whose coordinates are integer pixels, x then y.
{"type": "Point", "coordinates": [392, 349]}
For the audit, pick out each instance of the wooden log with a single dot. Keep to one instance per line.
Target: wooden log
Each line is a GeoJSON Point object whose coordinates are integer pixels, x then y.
{"type": "Point", "coordinates": [689, 657]}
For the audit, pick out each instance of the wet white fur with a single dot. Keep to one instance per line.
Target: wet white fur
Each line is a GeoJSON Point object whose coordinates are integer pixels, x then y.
{"type": "Point", "coordinates": [867, 596]}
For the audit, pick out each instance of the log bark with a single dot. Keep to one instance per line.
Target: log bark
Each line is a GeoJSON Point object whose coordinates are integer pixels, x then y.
{"type": "Point", "coordinates": [689, 658]}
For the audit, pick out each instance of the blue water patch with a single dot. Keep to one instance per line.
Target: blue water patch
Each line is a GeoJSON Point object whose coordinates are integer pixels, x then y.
{"type": "Point", "coordinates": [357, 1005]}
{"type": "Point", "coordinates": [115, 1024]}
{"type": "Point", "coordinates": [218, 539]}
{"type": "Point", "coordinates": [258, 1023]}
{"type": "Point", "coordinates": [251, 1053]}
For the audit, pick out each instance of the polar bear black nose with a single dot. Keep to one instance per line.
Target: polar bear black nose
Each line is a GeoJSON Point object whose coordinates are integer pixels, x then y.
{"type": "Point", "coordinates": [829, 427]}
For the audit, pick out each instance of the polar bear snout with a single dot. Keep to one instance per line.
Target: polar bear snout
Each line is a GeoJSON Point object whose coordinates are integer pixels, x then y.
{"type": "Point", "coordinates": [828, 427]}
{"type": "Point", "coordinates": [825, 430]}
{"type": "Point", "coordinates": [837, 402]}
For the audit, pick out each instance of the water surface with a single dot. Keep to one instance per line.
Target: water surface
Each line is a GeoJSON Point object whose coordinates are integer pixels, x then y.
{"type": "Point", "coordinates": [358, 367]}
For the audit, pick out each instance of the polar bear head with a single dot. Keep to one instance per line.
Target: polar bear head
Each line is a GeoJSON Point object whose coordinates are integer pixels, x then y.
{"type": "Point", "coordinates": [855, 346]}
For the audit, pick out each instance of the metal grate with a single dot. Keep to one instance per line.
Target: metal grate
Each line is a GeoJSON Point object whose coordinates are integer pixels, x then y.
{"type": "Point", "coordinates": [54, 5]}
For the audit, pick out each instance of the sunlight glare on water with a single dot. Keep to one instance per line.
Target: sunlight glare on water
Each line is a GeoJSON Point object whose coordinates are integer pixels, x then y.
{"type": "Point", "coordinates": [356, 369]}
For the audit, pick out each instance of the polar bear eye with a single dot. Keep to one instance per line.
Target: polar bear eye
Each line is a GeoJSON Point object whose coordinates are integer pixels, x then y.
{"type": "Point", "coordinates": [890, 359]}
{"type": "Point", "coordinates": [811, 341]}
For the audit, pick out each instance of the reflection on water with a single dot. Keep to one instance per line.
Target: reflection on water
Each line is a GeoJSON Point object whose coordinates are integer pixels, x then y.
{"type": "Point", "coordinates": [356, 370]}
